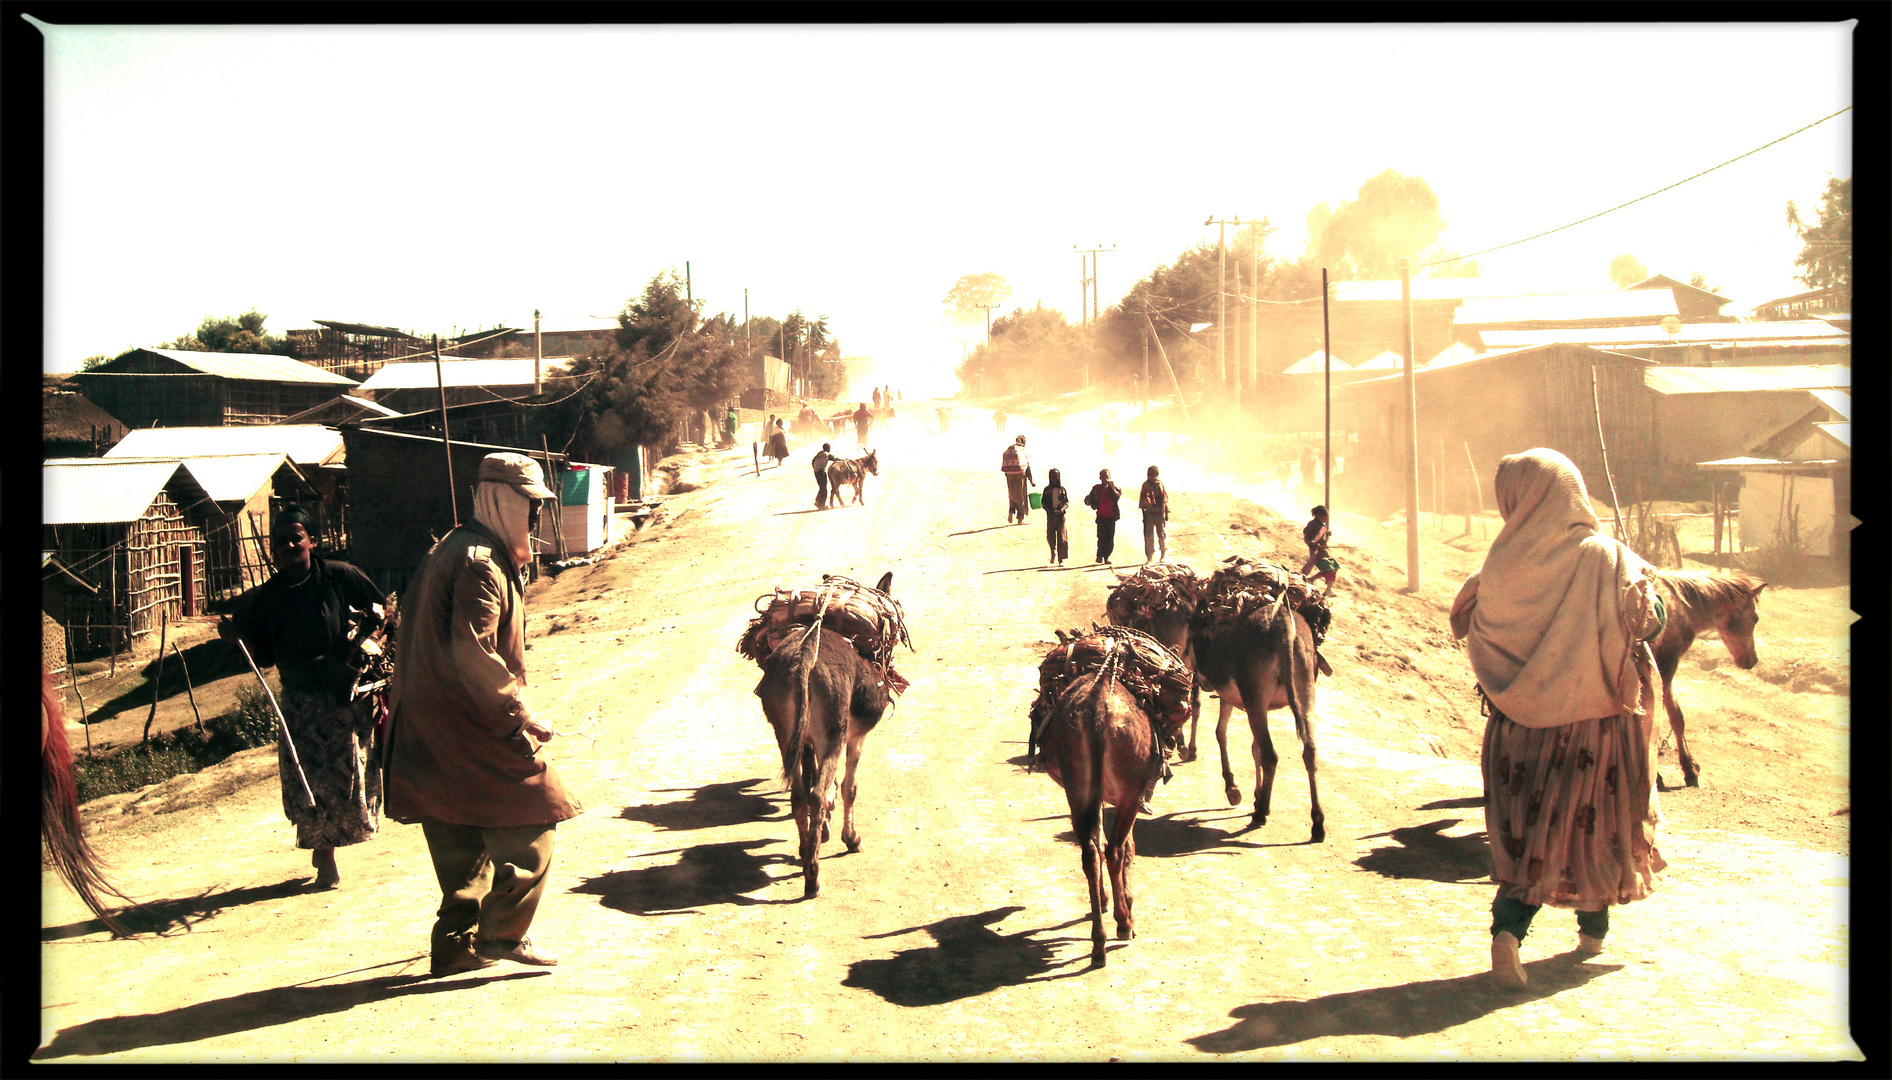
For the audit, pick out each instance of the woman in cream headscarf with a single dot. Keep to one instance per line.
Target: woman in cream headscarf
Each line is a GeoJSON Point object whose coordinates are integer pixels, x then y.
{"type": "Point", "coordinates": [1555, 624]}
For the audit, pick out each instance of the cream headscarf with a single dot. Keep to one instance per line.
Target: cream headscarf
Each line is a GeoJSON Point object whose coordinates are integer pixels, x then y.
{"type": "Point", "coordinates": [1545, 616]}
{"type": "Point", "coordinates": [507, 514]}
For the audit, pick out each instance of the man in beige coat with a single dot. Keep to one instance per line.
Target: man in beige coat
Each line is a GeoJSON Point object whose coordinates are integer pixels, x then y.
{"type": "Point", "coordinates": [462, 756]}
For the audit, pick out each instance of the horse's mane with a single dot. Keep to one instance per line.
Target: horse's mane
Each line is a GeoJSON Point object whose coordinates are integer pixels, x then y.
{"type": "Point", "coordinates": [1701, 590]}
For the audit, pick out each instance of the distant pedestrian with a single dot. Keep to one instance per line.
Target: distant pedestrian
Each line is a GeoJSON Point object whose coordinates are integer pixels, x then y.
{"type": "Point", "coordinates": [1015, 464]}
{"type": "Point", "coordinates": [464, 754]}
{"type": "Point", "coordinates": [998, 421]}
{"type": "Point", "coordinates": [863, 423]}
{"type": "Point", "coordinates": [1056, 501]}
{"type": "Point", "coordinates": [730, 421]}
{"type": "Point", "coordinates": [876, 398]}
{"type": "Point", "coordinates": [1316, 535]}
{"type": "Point", "coordinates": [1308, 464]}
{"type": "Point", "coordinates": [1153, 500]}
{"type": "Point", "coordinates": [1556, 625]}
{"type": "Point", "coordinates": [778, 441]}
{"type": "Point", "coordinates": [1103, 498]}
{"type": "Point", "coordinates": [822, 457]}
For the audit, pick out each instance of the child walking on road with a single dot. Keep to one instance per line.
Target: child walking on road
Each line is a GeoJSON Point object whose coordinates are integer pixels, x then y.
{"type": "Point", "coordinates": [1317, 534]}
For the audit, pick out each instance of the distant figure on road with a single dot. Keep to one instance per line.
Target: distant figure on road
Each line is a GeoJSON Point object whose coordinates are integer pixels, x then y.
{"type": "Point", "coordinates": [1015, 463]}
{"type": "Point", "coordinates": [998, 421]}
{"type": "Point", "coordinates": [807, 421]}
{"type": "Point", "coordinates": [1309, 461]}
{"type": "Point", "coordinates": [1103, 498]}
{"type": "Point", "coordinates": [778, 442]}
{"type": "Point", "coordinates": [463, 756]}
{"type": "Point", "coordinates": [822, 457]}
{"type": "Point", "coordinates": [1316, 534]}
{"type": "Point", "coordinates": [945, 418]}
{"type": "Point", "coordinates": [730, 422]}
{"type": "Point", "coordinates": [1556, 624]}
{"type": "Point", "coordinates": [876, 398]}
{"type": "Point", "coordinates": [863, 423]}
{"type": "Point", "coordinates": [1056, 502]}
{"type": "Point", "coordinates": [1153, 500]}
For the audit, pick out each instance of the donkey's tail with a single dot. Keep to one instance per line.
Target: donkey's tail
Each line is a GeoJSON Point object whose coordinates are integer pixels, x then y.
{"type": "Point", "coordinates": [1291, 657]}
{"type": "Point", "coordinates": [60, 823]}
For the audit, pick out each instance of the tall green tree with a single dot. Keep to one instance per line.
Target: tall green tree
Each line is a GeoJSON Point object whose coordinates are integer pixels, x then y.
{"type": "Point", "coordinates": [233, 334]}
{"type": "Point", "coordinates": [1392, 217]}
{"type": "Point", "coordinates": [1036, 350]}
{"type": "Point", "coordinates": [1626, 270]}
{"type": "Point", "coordinates": [1826, 252]}
{"type": "Point", "coordinates": [971, 296]}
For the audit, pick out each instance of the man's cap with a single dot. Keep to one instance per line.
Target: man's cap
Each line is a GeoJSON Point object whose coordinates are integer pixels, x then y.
{"type": "Point", "coordinates": [517, 470]}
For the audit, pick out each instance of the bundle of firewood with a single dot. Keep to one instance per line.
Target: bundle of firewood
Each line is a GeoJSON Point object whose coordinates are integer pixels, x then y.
{"type": "Point", "coordinates": [869, 619]}
{"type": "Point", "coordinates": [1155, 676]}
{"type": "Point", "coordinates": [1241, 587]}
{"type": "Point", "coordinates": [1155, 589]}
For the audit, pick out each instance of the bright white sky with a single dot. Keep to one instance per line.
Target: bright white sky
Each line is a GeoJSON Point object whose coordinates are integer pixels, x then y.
{"type": "Point", "coordinates": [429, 178]}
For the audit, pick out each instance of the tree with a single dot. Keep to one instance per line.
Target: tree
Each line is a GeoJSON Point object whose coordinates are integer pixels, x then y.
{"type": "Point", "coordinates": [91, 362]}
{"type": "Point", "coordinates": [968, 300]}
{"type": "Point", "coordinates": [1393, 217]}
{"type": "Point", "coordinates": [1028, 350]}
{"type": "Point", "coordinates": [1700, 281]}
{"type": "Point", "coordinates": [1826, 253]}
{"type": "Point", "coordinates": [1626, 270]}
{"type": "Point", "coordinates": [232, 334]}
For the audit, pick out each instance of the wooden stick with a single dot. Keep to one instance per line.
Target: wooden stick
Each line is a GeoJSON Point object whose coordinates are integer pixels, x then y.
{"type": "Point", "coordinates": [1478, 492]}
{"type": "Point", "coordinates": [192, 694]}
{"type": "Point", "coordinates": [157, 676]}
{"type": "Point", "coordinates": [72, 676]}
{"type": "Point", "coordinates": [1596, 412]}
{"type": "Point", "coordinates": [282, 724]}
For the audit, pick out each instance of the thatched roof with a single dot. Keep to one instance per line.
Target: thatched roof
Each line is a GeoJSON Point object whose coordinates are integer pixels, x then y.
{"type": "Point", "coordinates": [71, 417]}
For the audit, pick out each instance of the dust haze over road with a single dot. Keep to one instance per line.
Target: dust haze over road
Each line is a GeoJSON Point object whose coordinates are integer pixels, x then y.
{"type": "Point", "coordinates": [960, 931]}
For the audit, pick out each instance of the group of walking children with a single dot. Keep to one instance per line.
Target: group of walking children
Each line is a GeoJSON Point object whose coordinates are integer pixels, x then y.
{"type": "Point", "coordinates": [1104, 498]}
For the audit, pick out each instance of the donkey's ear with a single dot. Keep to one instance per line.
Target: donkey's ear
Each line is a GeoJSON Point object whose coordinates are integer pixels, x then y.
{"type": "Point", "coordinates": [886, 582]}
{"type": "Point", "coordinates": [1756, 590]}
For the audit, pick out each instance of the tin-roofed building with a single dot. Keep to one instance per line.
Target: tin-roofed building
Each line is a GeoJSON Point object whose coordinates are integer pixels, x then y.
{"type": "Point", "coordinates": [1692, 302]}
{"type": "Point", "coordinates": [313, 477]}
{"type": "Point", "coordinates": [1804, 341]}
{"type": "Point", "coordinates": [353, 349]}
{"type": "Point", "coordinates": [1796, 482]}
{"type": "Point", "coordinates": [415, 386]}
{"type": "Point", "coordinates": [179, 388]}
{"type": "Point", "coordinates": [1702, 414]}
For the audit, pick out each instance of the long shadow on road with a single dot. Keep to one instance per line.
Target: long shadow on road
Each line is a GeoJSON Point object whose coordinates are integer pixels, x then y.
{"type": "Point", "coordinates": [968, 958]}
{"type": "Point", "coordinates": [710, 806]}
{"type": "Point", "coordinates": [1424, 851]}
{"type": "Point", "coordinates": [1404, 1011]}
{"type": "Point", "coordinates": [160, 916]}
{"type": "Point", "coordinates": [245, 1012]}
{"type": "Point", "coordinates": [704, 875]}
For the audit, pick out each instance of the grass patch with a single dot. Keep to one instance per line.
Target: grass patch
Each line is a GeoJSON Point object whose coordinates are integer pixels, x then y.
{"type": "Point", "coordinates": [174, 753]}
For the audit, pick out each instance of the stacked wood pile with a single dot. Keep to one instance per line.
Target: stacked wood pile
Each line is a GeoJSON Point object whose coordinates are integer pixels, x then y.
{"type": "Point", "coordinates": [1153, 674]}
{"type": "Point", "coordinates": [1241, 588]}
{"type": "Point", "coordinates": [1154, 590]}
{"type": "Point", "coordinates": [869, 619]}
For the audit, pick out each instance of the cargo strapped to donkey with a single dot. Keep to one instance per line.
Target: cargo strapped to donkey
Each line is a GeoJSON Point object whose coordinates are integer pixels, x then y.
{"type": "Point", "coordinates": [1153, 674]}
{"type": "Point", "coordinates": [1156, 589]}
{"type": "Point", "coordinates": [869, 619]}
{"type": "Point", "coordinates": [1240, 588]}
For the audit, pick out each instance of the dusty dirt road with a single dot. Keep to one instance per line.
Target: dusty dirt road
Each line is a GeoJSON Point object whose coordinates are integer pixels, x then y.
{"type": "Point", "coordinates": [959, 932]}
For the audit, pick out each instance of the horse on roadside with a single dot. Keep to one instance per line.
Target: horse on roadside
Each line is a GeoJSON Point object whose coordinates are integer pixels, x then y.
{"type": "Point", "coordinates": [1700, 601]}
{"type": "Point", "coordinates": [1098, 745]}
{"type": "Point", "coordinates": [852, 471]}
{"type": "Point", "coordinates": [59, 822]}
{"type": "Point", "coordinates": [1263, 660]}
{"type": "Point", "coordinates": [821, 696]}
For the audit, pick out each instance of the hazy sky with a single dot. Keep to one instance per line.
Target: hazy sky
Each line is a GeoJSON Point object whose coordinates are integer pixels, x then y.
{"type": "Point", "coordinates": [436, 177]}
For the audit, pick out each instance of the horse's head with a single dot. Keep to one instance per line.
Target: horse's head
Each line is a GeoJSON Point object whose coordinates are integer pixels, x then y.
{"type": "Point", "coordinates": [1737, 629]}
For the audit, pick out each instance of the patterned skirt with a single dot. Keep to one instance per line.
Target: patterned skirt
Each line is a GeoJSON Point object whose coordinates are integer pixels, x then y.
{"type": "Point", "coordinates": [1571, 811]}
{"type": "Point", "coordinates": [334, 743]}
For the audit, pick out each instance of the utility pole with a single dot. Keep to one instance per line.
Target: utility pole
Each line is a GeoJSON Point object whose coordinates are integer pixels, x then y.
{"type": "Point", "coordinates": [1412, 433]}
{"type": "Point", "coordinates": [1089, 318]}
{"type": "Point", "coordinates": [687, 297]}
{"type": "Point", "coordinates": [538, 356]}
{"type": "Point", "coordinates": [1221, 297]}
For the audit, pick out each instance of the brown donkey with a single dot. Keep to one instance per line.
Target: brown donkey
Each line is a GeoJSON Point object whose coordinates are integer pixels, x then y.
{"type": "Point", "coordinates": [1160, 600]}
{"type": "Point", "coordinates": [1262, 659]}
{"type": "Point", "coordinates": [820, 695]}
{"type": "Point", "coordinates": [1097, 744]}
{"type": "Point", "coordinates": [1699, 602]}
{"type": "Point", "coordinates": [852, 471]}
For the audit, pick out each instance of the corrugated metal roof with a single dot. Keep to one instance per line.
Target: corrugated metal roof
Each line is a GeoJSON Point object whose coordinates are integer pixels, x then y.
{"type": "Point", "coordinates": [99, 491]}
{"type": "Point", "coordinates": [1664, 281]}
{"type": "Point", "coordinates": [1314, 362]}
{"type": "Point", "coordinates": [1842, 432]}
{"type": "Point", "coordinates": [1386, 361]}
{"type": "Point", "coordinates": [263, 367]}
{"type": "Point", "coordinates": [304, 444]}
{"type": "Point", "coordinates": [235, 478]}
{"type": "Point", "coordinates": [1727, 335]}
{"type": "Point", "coordinates": [456, 371]}
{"type": "Point", "coordinates": [1642, 305]}
{"type": "Point", "coordinates": [1426, 289]}
{"type": "Point", "coordinates": [364, 328]}
{"type": "Point", "coordinates": [1840, 401]}
{"type": "Point", "coordinates": [1718, 380]}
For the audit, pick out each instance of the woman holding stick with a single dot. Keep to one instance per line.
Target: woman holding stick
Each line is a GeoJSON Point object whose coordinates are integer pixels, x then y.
{"type": "Point", "coordinates": [302, 620]}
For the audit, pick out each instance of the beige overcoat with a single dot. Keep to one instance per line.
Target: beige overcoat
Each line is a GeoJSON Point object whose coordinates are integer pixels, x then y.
{"type": "Point", "coordinates": [455, 752]}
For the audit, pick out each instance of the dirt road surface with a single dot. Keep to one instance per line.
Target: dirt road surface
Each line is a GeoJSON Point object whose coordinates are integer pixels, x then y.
{"type": "Point", "coordinates": [960, 931]}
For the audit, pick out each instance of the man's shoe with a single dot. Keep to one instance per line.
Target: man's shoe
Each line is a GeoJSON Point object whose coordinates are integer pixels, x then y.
{"type": "Point", "coordinates": [1587, 945]}
{"type": "Point", "coordinates": [456, 963]}
{"type": "Point", "coordinates": [519, 952]}
{"type": "Point", "coordinates": [1506, 971]}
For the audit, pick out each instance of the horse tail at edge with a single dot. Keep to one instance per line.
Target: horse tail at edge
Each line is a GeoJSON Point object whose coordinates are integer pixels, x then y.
{"type": "Point", "coordinates": [59, 821]}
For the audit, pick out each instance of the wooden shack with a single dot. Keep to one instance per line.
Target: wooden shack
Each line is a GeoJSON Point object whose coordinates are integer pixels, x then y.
{"type": "Point", "coordinates": [72, 426]}
{"type": "Point", "coordinates": [61, 593]}
{"type": "Point", "coordinates": [417, 385]}
{"type": "Point", "coordinates": [398, 501]}
{"type": "Point", "coordinates": [178, 388]}
{"type": "Point", "coordinates": [1497, 404]}
{"type": "Point", "coordinates": [1797, 481]}
{"type": "Point", "coordinates": [1708, 413]}
{"type": "Point", "coordinates": [121, 525]}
